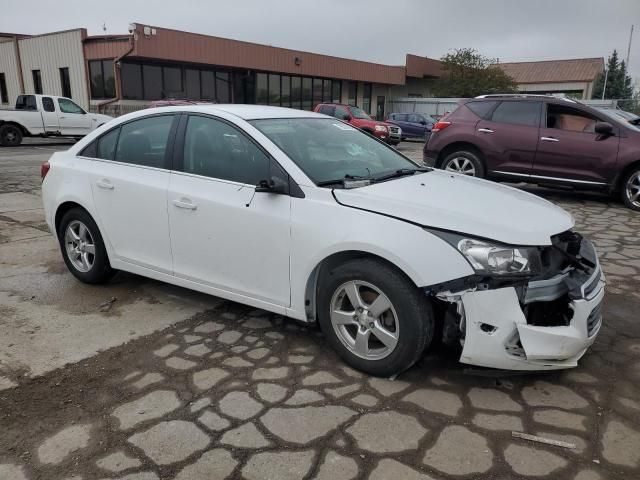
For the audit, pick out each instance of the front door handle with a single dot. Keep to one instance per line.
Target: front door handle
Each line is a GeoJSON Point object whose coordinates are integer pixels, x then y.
{"type": "Point", "coordinates": [549, 139]}
{"type": "Point", "coordinates": [106, 184]}
{"type": "Point", "coordinates": [185, 203]}
{"type": "Point", "coordinates": [485, 130]}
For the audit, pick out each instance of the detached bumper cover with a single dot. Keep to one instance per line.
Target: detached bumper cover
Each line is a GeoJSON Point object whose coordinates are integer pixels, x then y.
{"type": "Point", "coordinates": [513, 344]}
{"type": "Point", "coordinates": [503, 328]}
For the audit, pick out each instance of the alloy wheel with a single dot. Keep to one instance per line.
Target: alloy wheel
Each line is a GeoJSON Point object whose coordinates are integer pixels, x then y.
{"type": "Point", "coordinates": [364, 320]}
{"type": "Point", "coordinates": [633, 189]}
{"type": "Point", "coordinates": [461, 165]}
{"type": "Point", "coordinates": [80, 247]}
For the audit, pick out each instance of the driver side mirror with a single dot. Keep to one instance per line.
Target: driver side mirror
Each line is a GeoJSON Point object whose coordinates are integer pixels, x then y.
{"type": "Point", "coordinates": [275, 185]}
{"type": "Point", "coordinates": [603, 128]}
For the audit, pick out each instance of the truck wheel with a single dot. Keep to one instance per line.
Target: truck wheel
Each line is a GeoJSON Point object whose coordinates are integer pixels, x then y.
{"type": "Point", "coordinates": [465, 163]}
{"type": "Point", "coordinates": [374, 317]}
{"type": "Point", "coordinates": [10, 136]}
{"type": "Point", "coordinates": [631, 189]}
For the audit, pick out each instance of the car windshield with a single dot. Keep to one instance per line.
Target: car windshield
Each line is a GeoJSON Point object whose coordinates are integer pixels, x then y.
{"type": "Point", "coordinates": [359, 113]}
{"type": "Point", "coordinates": [328, 150]}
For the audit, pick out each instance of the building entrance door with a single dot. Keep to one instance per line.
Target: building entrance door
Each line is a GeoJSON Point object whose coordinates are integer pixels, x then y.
{"type": "Point", "coordinates": [380, 108]}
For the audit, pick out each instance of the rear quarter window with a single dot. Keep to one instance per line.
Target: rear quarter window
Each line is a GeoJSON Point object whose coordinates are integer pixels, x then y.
{"type": "Point", "coordinates": [481, 109]}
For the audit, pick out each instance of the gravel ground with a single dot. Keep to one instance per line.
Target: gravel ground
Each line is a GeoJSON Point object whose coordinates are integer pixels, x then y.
{"type": "Point", "coordinates": [142, 380]}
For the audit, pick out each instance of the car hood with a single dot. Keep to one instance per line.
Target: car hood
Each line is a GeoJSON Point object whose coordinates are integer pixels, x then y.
{"type": "Point", "coordinates": [463, 204]}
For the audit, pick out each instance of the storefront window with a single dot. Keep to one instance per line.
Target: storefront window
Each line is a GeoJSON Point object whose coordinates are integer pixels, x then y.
{"type": "Point", "coordinates": [352, 92]}
{"type": "Point", "coordinates": [317, 91]}
{"type": "Point", "coordinates": [296, 92]}
{"type": "Point", "coordinates": [336, 91]}
{"type": "Point", "coordinates": [306, 94]}
{"type": "Point", "coordinates": [223, 87]}
{"type": "Point", "coordinates": [286, 91]}
{"type": "Point", "coordinates": [131, 75]}
{"type": "Point", "coordinates": [262, 89]}
{"type": "Point", "coordinates": [366, 98]}
{"type": "Point", "coordinates": [192, 83]}
{"type": "Point", "coordinates": [172, 77]}
{"type": "Point", "coordinates": [152, 82]}
{"type": "Point", "coordinates": [208, 85]}
{"type": "Point", "coordinates": [274, 89]}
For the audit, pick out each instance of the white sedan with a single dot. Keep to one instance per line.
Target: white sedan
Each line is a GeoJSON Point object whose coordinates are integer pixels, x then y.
{"type": "Point", "coordinates": [300, 214]}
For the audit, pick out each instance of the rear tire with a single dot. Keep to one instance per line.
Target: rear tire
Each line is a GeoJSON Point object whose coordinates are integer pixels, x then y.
{"type": "Point", "coordinates": [389, 330]}
{"type": "Point", "coordinates": [10, 136]}
{"type": "Point", "coordinates": [464, 162]}
{"type": "Point", "coordinates": [631, 189]}
{"type": "Point", "coordinates": [83, 248]}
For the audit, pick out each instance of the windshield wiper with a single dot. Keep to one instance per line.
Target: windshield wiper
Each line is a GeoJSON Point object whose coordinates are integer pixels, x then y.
{"type": "Point", "coordinates": [402, 172]}
{"type": "Point", "coordinates": [340, 181]}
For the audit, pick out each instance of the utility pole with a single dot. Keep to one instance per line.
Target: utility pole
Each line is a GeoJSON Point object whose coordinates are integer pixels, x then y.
{"type": "Point", "coordinates": [629, 47]}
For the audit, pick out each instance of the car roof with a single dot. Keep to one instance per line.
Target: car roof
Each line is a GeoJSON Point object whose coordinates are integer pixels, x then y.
{"type": "Point", "coordinates": [246, 112]}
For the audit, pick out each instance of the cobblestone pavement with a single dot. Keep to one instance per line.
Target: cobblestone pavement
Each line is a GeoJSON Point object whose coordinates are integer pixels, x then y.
{"type": "Point", "coordinates": [233, 392]}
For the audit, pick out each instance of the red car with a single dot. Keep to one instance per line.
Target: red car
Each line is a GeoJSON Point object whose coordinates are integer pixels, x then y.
{"type": "Point", "coordinates": [357, 117]}
{"type": "Point", "coordinates": [539, 139]}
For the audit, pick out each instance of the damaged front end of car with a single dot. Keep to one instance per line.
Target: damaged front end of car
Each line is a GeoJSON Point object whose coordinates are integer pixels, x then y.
{"type": "Point", "coordinates": [526, 308]}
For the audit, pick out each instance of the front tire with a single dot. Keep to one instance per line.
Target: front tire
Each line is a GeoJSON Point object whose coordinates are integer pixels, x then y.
{"type": "Point", "coordinates": [464, 162]}
{"type": "Point", "coordinates": [10, 136]}
{"type": "Point", "coordinates": [374, 317]}
{"type": "Point", "coordinates": [631, 189]}
{"type": "Point", "coordinates": [83, 247]}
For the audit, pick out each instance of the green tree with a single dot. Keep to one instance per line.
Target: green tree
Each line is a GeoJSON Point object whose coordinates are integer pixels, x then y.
{"type": "Point", "coordinates": [619, 84]}
{"type": "Point", "coordinates": [467, 73]}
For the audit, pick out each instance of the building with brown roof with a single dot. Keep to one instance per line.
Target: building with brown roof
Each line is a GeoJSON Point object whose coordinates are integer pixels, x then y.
{"type": "Point", "coordinates": [574, 77]}
{"type": "Point", "coordinates": [121, 73]}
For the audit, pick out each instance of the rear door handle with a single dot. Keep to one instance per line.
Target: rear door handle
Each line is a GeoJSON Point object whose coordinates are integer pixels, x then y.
{"type": "Point", "coordinates": [185, 203]}
{"type": "Point", "coordinates": [549, 139]}
{"type": "Point", "coordinates": [106, 184]}
{"type": "Point", "coordinates": [485, 130]}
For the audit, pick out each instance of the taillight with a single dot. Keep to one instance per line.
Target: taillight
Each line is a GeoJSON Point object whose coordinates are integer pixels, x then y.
{"type": "Point", "coordinates": [440, 126]}
{"type": "Point", "coordinates": [44, 169]}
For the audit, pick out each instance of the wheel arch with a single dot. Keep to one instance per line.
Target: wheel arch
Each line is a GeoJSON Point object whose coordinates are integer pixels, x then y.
{"type": "Point", "coordinates": [334, 259]}
{"type": "Point", "coordinates": [617, 184]}
{"type": "Point", "coordinates": [25, 132]}
{"type": "Point", "coordinates": [63, 208]}
{"type": "Point", "coordinates": [459, 146]}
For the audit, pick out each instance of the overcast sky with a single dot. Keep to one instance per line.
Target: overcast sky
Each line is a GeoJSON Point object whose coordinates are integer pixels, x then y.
{"type": "Point", "coordinates": [373, 30]}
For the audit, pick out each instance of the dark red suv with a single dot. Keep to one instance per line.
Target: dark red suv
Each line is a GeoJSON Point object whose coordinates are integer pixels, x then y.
{"type": "Point", "coordinates": [539, 139]}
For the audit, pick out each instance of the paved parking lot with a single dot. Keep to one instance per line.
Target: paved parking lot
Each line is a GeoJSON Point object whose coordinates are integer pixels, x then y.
{"type": "Point", "coordinates": [141, 380]}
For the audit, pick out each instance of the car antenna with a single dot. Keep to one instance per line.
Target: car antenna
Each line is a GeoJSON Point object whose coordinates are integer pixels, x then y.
{"type": "Point", "coordinates": [251, 199]}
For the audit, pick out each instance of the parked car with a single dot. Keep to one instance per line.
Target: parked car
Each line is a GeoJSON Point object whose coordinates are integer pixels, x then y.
{"type": "Point", "coordinates": [392, 134]}
{"type": "Point", "coordinates": [539, 139]}
{"type": "Point", "coordinates": [413, 125]}
{"type": "Point", "coordinates": [46, 116]}
{"type": "Point", "coordinates": [632, 118]}
{"type": "Point", "coordinates": [305, 216]}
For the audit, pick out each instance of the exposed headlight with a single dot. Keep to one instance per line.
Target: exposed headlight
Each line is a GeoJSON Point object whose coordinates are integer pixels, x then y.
{"type": "Point", "coordinates": [488, 258]}
{"type": "Point", "coordinates": [499, 260]}
{"type": "Point", "coordinates": [381, 128]}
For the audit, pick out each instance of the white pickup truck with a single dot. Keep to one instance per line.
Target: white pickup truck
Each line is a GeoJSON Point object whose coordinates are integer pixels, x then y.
{"type": "Point", "coordinates": [46, 116]}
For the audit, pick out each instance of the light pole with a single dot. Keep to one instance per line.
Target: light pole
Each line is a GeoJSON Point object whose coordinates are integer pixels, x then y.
{"type": "Point", "coordinates": [604, 87]}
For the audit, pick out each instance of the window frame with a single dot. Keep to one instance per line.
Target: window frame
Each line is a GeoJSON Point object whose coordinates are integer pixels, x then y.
{"type": "Point", "coordinates": [177, 166]}
{"type": "Point", "coordinates": [65, 82]}
{"type": "Point", "coordinates": [36, 76]}
{"type": "Point", "coordinates": [4, 95]}
{"type": "Point", "coordinates": [168, 153]}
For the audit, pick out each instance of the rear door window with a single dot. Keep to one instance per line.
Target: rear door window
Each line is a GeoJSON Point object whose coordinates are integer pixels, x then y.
{"type": "Point", "coordinates": [342, 113]}
{"type": "Point", "coordinates": [107, 145]}
{"type": "Point", "coordinates": [144, 142]}
{"type": "Point", "coordinates": [47, 104]}
{"type": "Point", "coordinates": [415, 119]}
{"type": "Point", "coordinates": [518, 113]}
{"type": "Point", "coordinates": [327, 109]}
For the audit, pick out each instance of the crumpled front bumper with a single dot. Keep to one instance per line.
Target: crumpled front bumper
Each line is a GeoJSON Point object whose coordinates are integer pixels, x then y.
{"type": "Point", "coordinates": [498, 330]}
{"type": "Point", "coordinates": [515, 345]}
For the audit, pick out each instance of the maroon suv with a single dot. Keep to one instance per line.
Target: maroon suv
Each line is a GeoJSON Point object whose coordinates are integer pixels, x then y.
{"type": "Point", "coordinates": [539, 139]}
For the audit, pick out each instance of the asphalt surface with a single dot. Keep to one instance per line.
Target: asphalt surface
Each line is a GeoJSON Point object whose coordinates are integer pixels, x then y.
{"type": "Point", "coordinates": [142, 380]}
